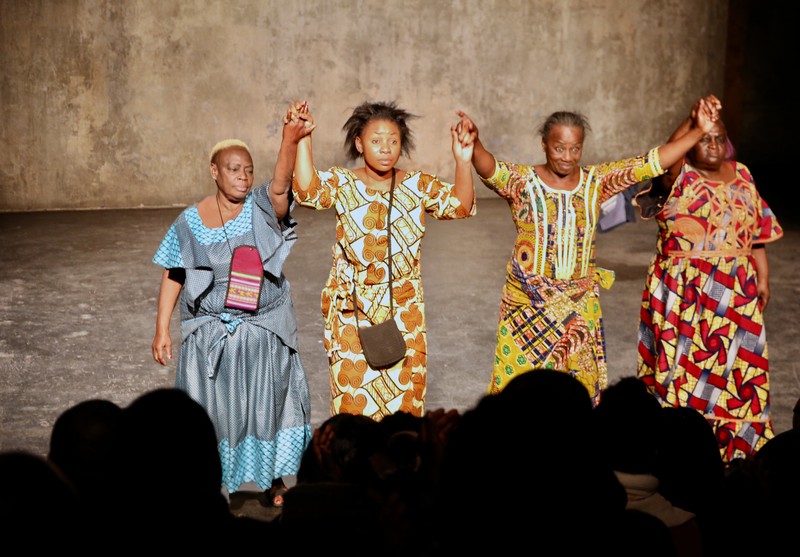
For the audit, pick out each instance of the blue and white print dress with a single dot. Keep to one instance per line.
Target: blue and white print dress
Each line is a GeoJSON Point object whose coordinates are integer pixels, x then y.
{"type": "Point", "coordinates": [243, 367]}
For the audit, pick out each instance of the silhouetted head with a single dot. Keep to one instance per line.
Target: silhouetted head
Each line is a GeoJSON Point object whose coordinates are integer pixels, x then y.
{"type": "Point", "coordinates": [37, 505]}
{"type": "Point", "coordinates": [81, 439]}
{"type": "Point", "coordinates": [531, 447]}
{"type": "Point", "coordinates": [168, 469]}
{"type": "Point", "coordinates": [347, 442]}
{"type": "Point", "coordinates": [629, 420]}
{"type": "Point", "coordinates": [775, 466]}
{"type": "Point", "coordinates": [689, 466]}
{"type": "Point", "coordinates": [166, 430]}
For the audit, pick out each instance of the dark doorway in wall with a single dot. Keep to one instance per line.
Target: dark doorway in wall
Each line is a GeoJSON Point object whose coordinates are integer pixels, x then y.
{"type": "Point", "coordinates": [760, 108]}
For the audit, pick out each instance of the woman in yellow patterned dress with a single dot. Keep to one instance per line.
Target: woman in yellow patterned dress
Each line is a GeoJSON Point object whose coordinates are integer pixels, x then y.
{"type": "Point", "coordinates": [702, 342]}
{"type": "Point", "coordinates": [379, 133]}
{"type": "Point", "coordinates": [550, 314]}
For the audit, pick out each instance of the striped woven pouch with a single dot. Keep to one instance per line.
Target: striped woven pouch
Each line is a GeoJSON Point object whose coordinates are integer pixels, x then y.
{"type": "Point", "coordinates": [245, 279]}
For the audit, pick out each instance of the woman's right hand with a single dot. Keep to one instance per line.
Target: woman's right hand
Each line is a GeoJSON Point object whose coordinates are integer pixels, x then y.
{"type": "Point", "coordinates": [467, 130]}
{"type": "Point", "coordinates": [462, 146]}
{"type": "Point", "coordinates": [162, 348]}
{"type": "Point", "coordinates": [299, 110]}
{"type": "Point", "coordinates": [711, 102]}
{"type": "Point", "coordinates": [298, 122]}
{"type": "Point", "coordinates": [707, 113]}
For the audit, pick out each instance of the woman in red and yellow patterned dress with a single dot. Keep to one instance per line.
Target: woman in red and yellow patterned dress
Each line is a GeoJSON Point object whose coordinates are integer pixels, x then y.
{"type": "Point", "coordinates": [702, 342]}
{"type": "Point", "coordinates": [379, 133]}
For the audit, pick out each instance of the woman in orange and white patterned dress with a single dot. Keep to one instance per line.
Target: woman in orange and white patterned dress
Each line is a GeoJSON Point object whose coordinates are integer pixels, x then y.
{"type": "Point", "coordinates": [702, 342]}
{"type": "Point", "coordinates": [379, 133]}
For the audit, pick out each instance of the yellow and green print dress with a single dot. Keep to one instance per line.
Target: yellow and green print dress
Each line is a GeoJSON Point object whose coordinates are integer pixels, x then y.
{"type": "Point", "coordinates": [550, 315]}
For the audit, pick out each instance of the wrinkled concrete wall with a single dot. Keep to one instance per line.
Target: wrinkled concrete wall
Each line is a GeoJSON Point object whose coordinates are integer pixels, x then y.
{"type": "Point", "coordinates": [111, 104]}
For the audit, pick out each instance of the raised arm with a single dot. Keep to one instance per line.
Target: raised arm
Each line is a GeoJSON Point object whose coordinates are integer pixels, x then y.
{"type": "Point", "coordinates": [304, 170]}
{"type": "Point", "coordinates": [482, 160]}
{"type": "Point", "coordinates": [297, 125]}
{"type": "Point", "coordinates": [463, 144]}
{"type": "Point", "coordinates": [651, 200]}
{"type": "Point", "coordinates": [704, 113]}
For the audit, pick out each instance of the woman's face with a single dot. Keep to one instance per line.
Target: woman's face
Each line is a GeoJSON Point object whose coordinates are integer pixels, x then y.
{"type": "Point", "coordinates": [709, 153]}
{"type": "Point", "coordinates": [233, 173]}
{"type": "Point", "coordinates": [563, 148]}
{"type": "Point", "coordinates": [380, 145]}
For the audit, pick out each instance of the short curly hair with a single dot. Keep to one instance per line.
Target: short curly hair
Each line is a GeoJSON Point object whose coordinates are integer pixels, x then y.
{"type": "Point", "coordinates": [365, 113]}
{"type": "Point", "coordinates": [227, 144]}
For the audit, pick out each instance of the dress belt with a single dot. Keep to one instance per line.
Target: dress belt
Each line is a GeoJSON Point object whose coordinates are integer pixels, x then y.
{"type": "Point", "coordinates": [707, 253]}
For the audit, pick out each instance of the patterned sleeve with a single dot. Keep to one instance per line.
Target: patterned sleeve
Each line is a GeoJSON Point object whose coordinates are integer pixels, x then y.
{"type": "Point", "coordinates": [262, 199]}
{"type": "Point", "coordinates": [440, 200]}
{"type": "Point", "coordinates": [264, 202]}
{"type": "Point", "coordinates": [769, 229]}
{"type": "Point", "coordinates": [168, 254]}
{"type": "Point", "coordinates": [321, 194]}
{"type": "Point", "coordinates": [619, 175]}
{"type": "Point", "coordinates": [508, 180]}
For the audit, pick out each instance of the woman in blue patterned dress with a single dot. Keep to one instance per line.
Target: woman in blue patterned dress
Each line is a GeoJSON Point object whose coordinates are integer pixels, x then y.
{"type": "Point", "coordinates": [242, 365]}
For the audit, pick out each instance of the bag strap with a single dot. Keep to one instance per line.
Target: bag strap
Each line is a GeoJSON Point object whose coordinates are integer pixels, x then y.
{"type": "Point", "coordinates": [389, 253]}
{"type": "Point", "coordinates": [389, 241]}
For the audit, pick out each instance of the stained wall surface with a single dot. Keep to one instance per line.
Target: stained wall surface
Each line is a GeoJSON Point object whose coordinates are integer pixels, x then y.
{"type": "Point", "coordinates": [107, 104]}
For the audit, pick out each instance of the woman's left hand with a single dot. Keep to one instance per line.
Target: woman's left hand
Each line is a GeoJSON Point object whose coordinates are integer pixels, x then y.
{"type": "Point", "coordinates": [763, 294]}
{"type": "Point", "coordinates": [298, 122]}
{"type": "Point", "coordinates": [463, 144]}
{"type": "Point", "coordinates": [706, 115]}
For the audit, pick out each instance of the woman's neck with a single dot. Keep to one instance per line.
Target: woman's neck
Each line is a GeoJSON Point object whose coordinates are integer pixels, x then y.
{"type": "Point", "coordinates": [556, 181]}
{"type": "Point", "coordinates": [228, 209]}
{"type": "Point", "coordinates": [722, 173]}
{"type": "Point", "coordinates": [379, 181]}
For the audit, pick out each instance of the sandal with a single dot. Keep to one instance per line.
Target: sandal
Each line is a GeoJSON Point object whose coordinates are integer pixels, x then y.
{"type": "Point", "coordinates": [276, 494]}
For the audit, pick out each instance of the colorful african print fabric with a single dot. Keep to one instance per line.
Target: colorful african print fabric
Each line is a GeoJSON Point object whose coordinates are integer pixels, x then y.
{"type": "Point", "coordinates": [359, 256]}
{"type": "Point", "coordinates": [550, 316]}
{"type": "Point", "coordinates": [241, 366]}
{"type": "Point", "coordinates": [702, 342]}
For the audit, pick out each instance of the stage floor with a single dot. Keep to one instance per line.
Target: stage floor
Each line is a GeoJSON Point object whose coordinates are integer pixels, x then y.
{"type": "Point", "coordinates": [78, 296]}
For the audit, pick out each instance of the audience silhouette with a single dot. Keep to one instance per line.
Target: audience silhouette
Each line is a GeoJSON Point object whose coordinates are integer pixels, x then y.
{"type": "Point", "coordinates": [334, 496]}
{"type": "Point", "coordinates": [531, 452]}
{"type": "Point", "coordinates": [618, 477]}
{"type": "Point", "coordinates": [691, 473]}
{"type": "Point", "coordinates": [165, 442]}
{"type": "Point", "coordinates": [80, 445]}
{"type": "Point", "coordinates": [39, 508]}
{"type": "Point", "coordinates": [629, 422]}
{"type": "Point", "coordinates": [777, 481]}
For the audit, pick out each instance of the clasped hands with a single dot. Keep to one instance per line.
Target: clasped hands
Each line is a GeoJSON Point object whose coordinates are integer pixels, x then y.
{"type": "Point", "coordinates": [705, 112]}
{"type": "Point", "coordinates": [298, 120]}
